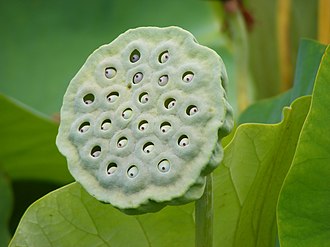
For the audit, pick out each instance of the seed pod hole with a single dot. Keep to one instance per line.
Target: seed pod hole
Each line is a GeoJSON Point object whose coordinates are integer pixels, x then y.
{"type": "Point", "coordinates": [144, 98]}
{"type": "Point", "coordinates": [164, 165]}
{"type": "Point", "coordinates": [112, 97]}
{"type": "Point", "coordinates": [135, 56]}
{"type": "Point", "coordinates": [137, 77]}
{"type": "Point", "coordinates": [169, 103]}
{"type": "Point", "coordinates": [111, 168]}
{"type": "Point", "coordinates": [191, 110]}
{"type": "Point", "coordinates": [122, 142]}
{"type": "Point", "coordinates": [165, 127]}
{"type": "Point", "coordinates": [84, 127]}
{"type": "Point", "coordinates": [183, 141]}
{"type": "Point", "coordinates": [127, 113]}
{"type": "Point", "coordinates": [143, 125]}
{"type": "Point", "coordinates": [163, 80]}
{"type": "Point", "coordinates": [88, 99]}
{"type": "Point", "coordinates": [106, 124]}
{"type": "Point", "coordinates": [110, 72]}
{"type": "Point", "coordinates": [163, 57]}
{"type": "Point", "coordinates": [188, 76]}
{"type": "Point", "coordinates": [132, 172]}
{"type": "Point", "coordinates": [148, 147]}
{"type": "Point", "coordinates": [96, 151]}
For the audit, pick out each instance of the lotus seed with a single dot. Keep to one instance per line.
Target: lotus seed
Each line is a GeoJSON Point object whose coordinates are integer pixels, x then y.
{"type": "Point", "coordinates": [132, 172]}
{"type": "Point", "coordinates": [164, 166]}
{"type": "Point", "coordinates": [191, 110]}
{"type": "Point", "coordinates": [137, 78]}
{"type": "Point", "coordinates": [135, 56]}
{"type": "Point", "coordinates": [127, 113]}
{"type": "Point", "coordinates": [163, 80]}
{"type": "Point", "coordinates": [112, 97]}
{"type": "Point", "coordinates": [165, 127]}
{"type": "Point", "coordinates": [144, 98]}
{"type": "Point", "coordinates": [188, 76]}
{"type": "Point", "coordinates": [96, 151]}
{"type": "Point", "coordinates": [143, 125]}
{"type": "Point", "coordinates": [122, 142]}
{"type": "Point", "coordinates": [164, 56]}
{"type": "Point", "coordinates": [148, 147]}
{"type": "Point", "coordinates": [110, 72]}
{"type": "Point", "coordinates": [183, 141]}
{"type": "Point", "coordinates": [112, 168]}
{"type": "Point", "coordinates": [84, 127]}
{"type": "Point", "coordinates": [106, 124]}
{"type": "Point", "coordinates": [170, 103]}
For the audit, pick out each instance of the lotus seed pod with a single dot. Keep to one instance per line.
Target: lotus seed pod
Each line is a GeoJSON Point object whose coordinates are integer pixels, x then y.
{"type": "Point", "coordinates": [141, 122]}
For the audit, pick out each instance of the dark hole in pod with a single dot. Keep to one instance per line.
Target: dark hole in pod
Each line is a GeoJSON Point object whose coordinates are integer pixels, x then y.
{"type": "Point", "coordinates": [188, 76]}
{"type": "Point", "coordinates": [132, 172]}
{"type": "Point", "coordinates": [183, 141]}
{"type": "Point", "coordinates": [191, 110]}
{"type": "Point", "coordinates": [111, 168]}
{"type": "Point", "coordinates": [110, 72]}
{"type": "Point", "coordinates": [112, 97]}
{"type": "Point", "coordinates": [144, 98]}
{"type": "Point", "coordinates": [165, 127]}
{"type": "Point", "coordinates": [106, 124]}
{"type": "Point", "coordinates": [164, 165]}
{"type": "Point", "coordinates": [143, 125]}
{"type": "Point", "coordinates": [148, 147]}
{"type": "Point", "coordinates": [96, 151]}
{"type": "Point", "coordinates": [137, 77]}
{"type": "Point", "coordinates": [163, 80]}
{"type": "Point", "coordinates": [84, 127]}
{"type": "Point", "coordinates": [163, 57]}
{"type": "Point", "coordinates": [127, 113]}
{"type": "Point", "coordinates": [88, 99]}
{"type": "Point", "coordinates": [135, 56]}
{"type": "Point", "coordinates": [122, 142]}
{"type": "Point", "coordinates": [169, 103]}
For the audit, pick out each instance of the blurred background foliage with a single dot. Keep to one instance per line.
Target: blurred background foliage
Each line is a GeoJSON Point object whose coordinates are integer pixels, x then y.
{"type": "Point", "coordinates": [44, 43]}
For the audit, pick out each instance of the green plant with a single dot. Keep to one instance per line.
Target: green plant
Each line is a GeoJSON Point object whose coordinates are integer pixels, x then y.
{"type": "Point", "coordinates": [274, 176]}
{"type": "Point", "coordinates": [267, 151]}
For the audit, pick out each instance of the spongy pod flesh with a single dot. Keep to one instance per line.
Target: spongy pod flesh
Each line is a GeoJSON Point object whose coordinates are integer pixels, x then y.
{"type": "Point", "coordinates": [142, 120]}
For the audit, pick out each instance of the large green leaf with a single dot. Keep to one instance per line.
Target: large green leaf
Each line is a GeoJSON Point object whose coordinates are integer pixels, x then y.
{"type": "Point", "coordinates": [303, 209]}
{"type": "Point", "coordinates": [266, 110]}
{"type": "Point", "coordinates": [248, 182]}
{"type": "Point", "coordinates": [270, 110]}
{"type": "Point", "coordinates": [28, 148]}
{"type": "Point", "coordinates": [69, 215]}
{"type": "Point", "coordinates": [309, 58]}
{"type": "Point", "coordinates": [5, 209]}
{"type": "Point", "coordinates": [44, 43]}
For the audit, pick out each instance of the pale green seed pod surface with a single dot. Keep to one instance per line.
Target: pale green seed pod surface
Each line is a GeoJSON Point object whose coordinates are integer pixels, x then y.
{"type": "Point", "coordinates": [141, 121]}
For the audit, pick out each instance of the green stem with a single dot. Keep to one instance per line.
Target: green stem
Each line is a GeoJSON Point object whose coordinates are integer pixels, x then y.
{"type": "Point", "coordinates": [204, 216]}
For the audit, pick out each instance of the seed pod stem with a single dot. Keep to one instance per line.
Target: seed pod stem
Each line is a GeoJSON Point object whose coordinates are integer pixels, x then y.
{"type": "Point", "coordinates": [204, 216]}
